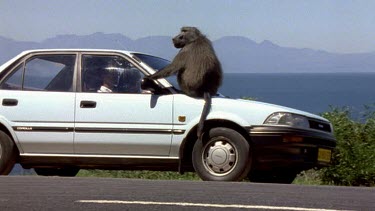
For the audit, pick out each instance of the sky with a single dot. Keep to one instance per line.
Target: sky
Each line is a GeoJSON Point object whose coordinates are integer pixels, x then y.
{"type": "Point", "coordinates": [340, 26]}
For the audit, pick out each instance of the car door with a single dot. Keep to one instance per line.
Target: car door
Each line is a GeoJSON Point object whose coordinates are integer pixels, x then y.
{"type": "Point", "coordinates": [114, 116]}
{"type": "Point", "coordinates": [37, 99]}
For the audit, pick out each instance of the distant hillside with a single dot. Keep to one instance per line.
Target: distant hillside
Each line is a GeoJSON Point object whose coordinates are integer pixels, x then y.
{"type": "Point", "coordinates": [237, 54]}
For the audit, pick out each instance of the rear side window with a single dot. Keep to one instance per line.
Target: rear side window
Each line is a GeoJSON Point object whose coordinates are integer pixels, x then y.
{"type": "Point", "coordinates": [14, 80]}
{"type": "Point", "coordinates": [43, 73]}
{"type": "Point", "coordinates": [49, 73]}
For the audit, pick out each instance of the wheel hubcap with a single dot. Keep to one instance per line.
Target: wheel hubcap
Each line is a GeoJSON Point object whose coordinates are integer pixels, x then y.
{"type": "Point", "coordinates": [220, 157]}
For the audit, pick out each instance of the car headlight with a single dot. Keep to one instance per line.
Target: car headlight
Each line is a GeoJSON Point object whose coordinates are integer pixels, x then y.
{"type": "Point", "coordinates": [289, 119]}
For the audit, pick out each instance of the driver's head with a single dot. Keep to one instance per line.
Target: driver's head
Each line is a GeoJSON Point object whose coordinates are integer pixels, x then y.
{"type": "Point", "coordinates": [110, 78]}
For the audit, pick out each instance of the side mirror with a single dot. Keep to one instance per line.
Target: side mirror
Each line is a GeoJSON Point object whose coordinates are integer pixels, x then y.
{"type": "Point", "coordinates": [149, 84]}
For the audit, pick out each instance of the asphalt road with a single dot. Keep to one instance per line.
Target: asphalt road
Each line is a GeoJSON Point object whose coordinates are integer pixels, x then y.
{"type": "Point", "coordinates": [56, 193]}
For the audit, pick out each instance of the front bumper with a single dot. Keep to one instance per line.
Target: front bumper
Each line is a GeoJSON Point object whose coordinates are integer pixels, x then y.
{"type": "Point", "coordinates": [282, 147]}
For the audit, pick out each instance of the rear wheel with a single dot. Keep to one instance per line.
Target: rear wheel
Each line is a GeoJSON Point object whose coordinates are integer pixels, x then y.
{"type": "Point", "coordinates": [62, 172]}
{"type": "Point", "coordinates": [7, 154]}
{"type": "Point", "coordinates": [223, 155]}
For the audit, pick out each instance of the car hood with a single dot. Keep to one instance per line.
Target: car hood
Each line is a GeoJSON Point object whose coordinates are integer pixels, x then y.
{"type": "Point", "coordinates": [242, 112]}
{"type": "Point", "coordinates": [257, 108]}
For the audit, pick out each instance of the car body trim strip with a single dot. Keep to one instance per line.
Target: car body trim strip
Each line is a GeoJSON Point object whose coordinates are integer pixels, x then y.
{"type": "Point", "coordinates": [97, 156]}
{"type": "Point", "coordinates": [98, 130]}
{"type": "Point", "coordinates": [127, 130]}
{"type": "Point", "coordinates": [42, 129]}
{"type": "Point", "coordinates": [138, 123]}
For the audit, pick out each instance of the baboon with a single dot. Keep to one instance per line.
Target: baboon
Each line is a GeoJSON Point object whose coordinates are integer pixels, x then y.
{"type": "Point", "coordinates": [197, 67]}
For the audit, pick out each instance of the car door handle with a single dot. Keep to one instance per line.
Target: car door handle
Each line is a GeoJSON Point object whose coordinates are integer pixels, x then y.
{"type": "Point", "coordinates": [10, 102]}
{"type": "Point", "coordinates": [88, 104]}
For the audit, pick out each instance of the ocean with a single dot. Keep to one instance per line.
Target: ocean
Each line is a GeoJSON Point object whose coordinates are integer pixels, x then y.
{"type": "Point", "coordinates": [312, 92]}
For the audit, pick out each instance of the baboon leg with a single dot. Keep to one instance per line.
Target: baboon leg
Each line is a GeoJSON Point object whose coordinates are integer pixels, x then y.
{"type": "Point", "coordinates": [206, 110]}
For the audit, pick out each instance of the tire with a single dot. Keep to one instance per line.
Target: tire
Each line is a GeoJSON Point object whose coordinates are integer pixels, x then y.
{"type": "Point", "coordinates": [224, 155]}
{"type": "Point", "coordinates": [61, 172]}
{"type": "Point", "coordinates": [282, 177]}
{"type": "Point", "coordinates": [8, 154]}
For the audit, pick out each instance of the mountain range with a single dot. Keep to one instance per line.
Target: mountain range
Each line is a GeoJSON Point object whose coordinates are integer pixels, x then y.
{"type": "Point", "coordinates": [237, 54]}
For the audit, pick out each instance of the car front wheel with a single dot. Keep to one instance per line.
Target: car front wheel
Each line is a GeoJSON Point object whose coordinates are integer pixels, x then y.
{"type": "Point", "coordinates": [223, 155]}
{"type": "Point", "coordinates": [7, 154]}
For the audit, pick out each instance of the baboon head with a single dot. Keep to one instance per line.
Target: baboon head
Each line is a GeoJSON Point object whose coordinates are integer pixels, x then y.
{"type": "Point", "coordinates": [187, 35]}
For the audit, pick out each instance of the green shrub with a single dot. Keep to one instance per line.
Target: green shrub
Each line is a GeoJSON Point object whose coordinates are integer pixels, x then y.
{"type": "Point", "coordinates": [354, 157]}
{"type": "Point", "coordinates": [309, 177]}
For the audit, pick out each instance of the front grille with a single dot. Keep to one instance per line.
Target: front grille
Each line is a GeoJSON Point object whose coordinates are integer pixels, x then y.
{"type": "Point", "coordinates": [318, 125]}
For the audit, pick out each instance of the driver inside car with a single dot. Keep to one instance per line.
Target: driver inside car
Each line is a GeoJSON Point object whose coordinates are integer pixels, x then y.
{"type": "Point", "coordinates": [110, 79]}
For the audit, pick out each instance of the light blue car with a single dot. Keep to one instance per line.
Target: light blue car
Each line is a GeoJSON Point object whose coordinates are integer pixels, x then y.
{"type": "Point", "coordinates": [66, 110]}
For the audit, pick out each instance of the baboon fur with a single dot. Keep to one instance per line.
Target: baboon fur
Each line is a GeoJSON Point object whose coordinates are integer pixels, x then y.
{"type": "Point", "coordinates": [197, 67]}
{"type": "Point", "coordinates": [196, 64]}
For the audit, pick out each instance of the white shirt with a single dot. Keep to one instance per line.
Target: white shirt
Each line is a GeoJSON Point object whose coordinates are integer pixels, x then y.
{"type": "Point", "coordinates": [104, 89]}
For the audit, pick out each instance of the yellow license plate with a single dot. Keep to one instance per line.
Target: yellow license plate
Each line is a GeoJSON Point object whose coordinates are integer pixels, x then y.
{"type": "Point", "coordinates": [324, 155]}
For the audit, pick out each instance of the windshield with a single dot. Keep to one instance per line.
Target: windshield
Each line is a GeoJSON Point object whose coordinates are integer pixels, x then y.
{"type": "Point", "coordinates": [153, 61]}
{"type": "Point", "coordinates": [157, 64]}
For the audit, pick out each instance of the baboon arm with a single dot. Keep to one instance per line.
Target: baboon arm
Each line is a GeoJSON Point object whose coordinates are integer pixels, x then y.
{"type": "Point", "coordinates": [165, 72]}
{"type": "Point", "coordinates": [176, 66]}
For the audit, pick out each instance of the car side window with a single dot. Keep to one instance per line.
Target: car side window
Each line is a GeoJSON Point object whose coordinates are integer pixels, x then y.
{"type": "Point", "coordinates": [49, 73]}
{"type": "Point", "coordinates": [110, 74]}
{"type": "Point", "coordinates": [14, 80]}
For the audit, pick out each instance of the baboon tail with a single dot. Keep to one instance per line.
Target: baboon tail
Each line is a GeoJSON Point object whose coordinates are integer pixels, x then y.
{"type": "Point", "coordinates": [206, 110]}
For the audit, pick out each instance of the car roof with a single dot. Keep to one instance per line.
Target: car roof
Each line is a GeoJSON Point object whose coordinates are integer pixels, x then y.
{"type": "Point", "coordinates": [23, 53]}
{"type": "Point", "coordinates": [74, 49]}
